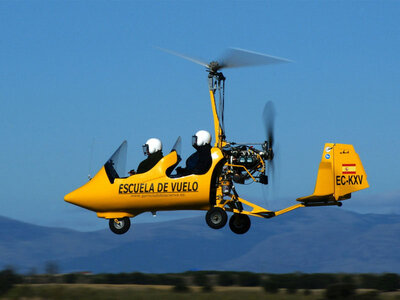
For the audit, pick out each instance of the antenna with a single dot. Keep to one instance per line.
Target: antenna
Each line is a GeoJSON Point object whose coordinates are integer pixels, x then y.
{"type": "Point", "coordinates": [91, 159]}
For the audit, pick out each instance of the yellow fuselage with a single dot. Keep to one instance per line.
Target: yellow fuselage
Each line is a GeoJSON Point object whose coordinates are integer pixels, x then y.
{"type": "Point", "coordinates": [150, 191]}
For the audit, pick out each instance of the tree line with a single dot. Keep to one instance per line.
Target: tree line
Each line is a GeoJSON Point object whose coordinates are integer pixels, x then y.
{"type": "Point", "coordinates": [338, 285]}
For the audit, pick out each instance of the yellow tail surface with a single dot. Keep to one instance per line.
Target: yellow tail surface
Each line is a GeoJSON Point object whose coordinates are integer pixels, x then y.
{"type": "Point", "coordinates": [340, 173]}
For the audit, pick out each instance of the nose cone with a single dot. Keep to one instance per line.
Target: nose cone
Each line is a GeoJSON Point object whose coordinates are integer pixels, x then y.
{"type": "Point", "coordinates": [77, 197]}
{"type": "Point", "coordinates": [69, 198]}
{"type": "Point", "coordinates": [94, 194]}
{"type": "Point", "coordinates": [72, 198]}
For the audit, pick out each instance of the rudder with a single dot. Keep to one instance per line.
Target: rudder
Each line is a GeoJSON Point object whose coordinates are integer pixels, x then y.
{"type": "Point", "coordinates": [350, 175]}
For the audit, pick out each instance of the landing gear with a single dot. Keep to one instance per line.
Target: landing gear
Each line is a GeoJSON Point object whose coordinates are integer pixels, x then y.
{"type": "Point", "coordinates": [216, 218]}
{"type": "Point", "coordinates": [239, 223]}
{"type": "Point", "coordinates": [120, 226]}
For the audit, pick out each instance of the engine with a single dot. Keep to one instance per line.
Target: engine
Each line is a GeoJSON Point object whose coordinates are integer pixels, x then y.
{"type": "Point", "coordinates": [246, 163]}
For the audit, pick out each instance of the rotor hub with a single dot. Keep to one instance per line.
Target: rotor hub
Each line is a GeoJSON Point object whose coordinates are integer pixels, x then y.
{"type": "Point", "coordinates": [214, 66]}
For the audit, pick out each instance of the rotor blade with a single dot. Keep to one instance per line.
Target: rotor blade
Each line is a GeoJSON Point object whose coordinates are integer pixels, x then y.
{"type": "Point", "coordinates": [236, 58]}
{"type": "Point", "coordinates": [195, 60]}
{"type": "Point", "coordinates": [269, 122]}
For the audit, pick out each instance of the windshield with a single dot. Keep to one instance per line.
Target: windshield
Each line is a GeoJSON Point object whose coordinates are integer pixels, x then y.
{"type": "Point", "coordinates": [115, 166]}
{"type": "Point", "coordinates": [177, 146]}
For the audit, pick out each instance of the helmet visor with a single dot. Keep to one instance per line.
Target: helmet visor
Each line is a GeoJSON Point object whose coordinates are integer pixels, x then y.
{"type": "Point", "coordinates": [194, 140]}
{"type": "Point", "coordinates": [145, 148]}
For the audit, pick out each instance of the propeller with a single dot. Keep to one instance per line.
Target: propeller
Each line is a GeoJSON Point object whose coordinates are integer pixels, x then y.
{"type": "Point", "coordinates": [233, 58]}
{"type": "Point", "coordinates": [269, 123]}
{"type": "Point", "coordinates": [268, 117]}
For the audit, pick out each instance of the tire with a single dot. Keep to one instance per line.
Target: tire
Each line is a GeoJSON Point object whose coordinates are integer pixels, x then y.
{"type": "Point", "coordinates": [216, 218]}
{"type": "Point", "coordinates": [120, 226]}
{"type": "Point", "coordinates": [239, 223]}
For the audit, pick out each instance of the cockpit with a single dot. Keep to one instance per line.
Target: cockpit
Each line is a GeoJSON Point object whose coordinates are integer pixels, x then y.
{"type": "Point", "coordinates": [115, 166]}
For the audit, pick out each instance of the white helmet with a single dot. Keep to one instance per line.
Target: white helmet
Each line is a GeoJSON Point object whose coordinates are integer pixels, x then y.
{"type": "Point", "coordinates": [152, 145]}
{"type": "Point", "coordinates": [201, 138]}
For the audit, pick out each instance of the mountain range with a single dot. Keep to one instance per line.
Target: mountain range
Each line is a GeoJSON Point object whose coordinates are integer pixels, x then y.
{"type": "Point", "coordinates": [311, 240]}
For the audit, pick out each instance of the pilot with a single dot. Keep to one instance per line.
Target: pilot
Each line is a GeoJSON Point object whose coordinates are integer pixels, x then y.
{"type": "Point", "coordinates": [153, 150]}
{"type": "Point", "coordinates": [200, 161]}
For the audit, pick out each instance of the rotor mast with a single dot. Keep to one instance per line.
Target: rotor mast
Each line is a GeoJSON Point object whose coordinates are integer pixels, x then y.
{"type": "Point", "coordinates": [216, 83]}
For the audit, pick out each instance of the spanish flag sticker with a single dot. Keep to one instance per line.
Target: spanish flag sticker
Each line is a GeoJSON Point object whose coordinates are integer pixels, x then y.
{"type": "Point", "coordinates": [348, 168]}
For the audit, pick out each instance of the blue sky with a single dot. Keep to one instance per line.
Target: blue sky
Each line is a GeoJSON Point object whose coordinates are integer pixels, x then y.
{"type": "Point", "coordinates": [77, 78]}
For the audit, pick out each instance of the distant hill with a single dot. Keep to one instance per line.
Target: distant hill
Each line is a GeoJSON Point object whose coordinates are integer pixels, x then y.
{"type": "Point", "coordinates": [307, 240]}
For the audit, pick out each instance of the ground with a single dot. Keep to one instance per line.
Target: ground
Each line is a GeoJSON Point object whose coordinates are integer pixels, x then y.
{"type": "Point", "coordinates": [144, 292]}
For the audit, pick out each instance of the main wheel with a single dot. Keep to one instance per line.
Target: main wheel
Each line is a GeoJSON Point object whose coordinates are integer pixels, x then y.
{"type": "Point", "coordinates": [239, 223]}
{"type": "Point", "coordinates": [216, 218]}
{"type": "Point", "coordinates": [120, 226]}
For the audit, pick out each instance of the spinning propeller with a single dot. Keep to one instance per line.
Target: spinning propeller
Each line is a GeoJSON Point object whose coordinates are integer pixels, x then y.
{"type": "Point", "coordinates": [268, 117]}
{"type": "Point", "coordinates": [233, 58]}
{"type": "Point", "coordinates": [269, 122]}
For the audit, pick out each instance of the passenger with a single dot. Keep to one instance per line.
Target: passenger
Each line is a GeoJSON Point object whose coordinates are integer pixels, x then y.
{"type": "Point", "coordinates": [200, 161]}
{"type": "Point", "coordinates": [153, 150]}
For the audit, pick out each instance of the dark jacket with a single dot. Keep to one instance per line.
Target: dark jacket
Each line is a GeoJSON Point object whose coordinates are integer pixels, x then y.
{"type": "Point", "coordinates": [149, 162]}
{"type": "Point", "coordinates": [199, 162]}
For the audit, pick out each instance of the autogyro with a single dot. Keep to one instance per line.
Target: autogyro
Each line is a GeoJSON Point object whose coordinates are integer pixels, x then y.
{"type": "Point", "coordinates": [118, 198]}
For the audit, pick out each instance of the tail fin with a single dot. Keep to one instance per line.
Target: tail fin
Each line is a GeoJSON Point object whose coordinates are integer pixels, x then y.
{"type": "Point", "coordinates": [340, 173]}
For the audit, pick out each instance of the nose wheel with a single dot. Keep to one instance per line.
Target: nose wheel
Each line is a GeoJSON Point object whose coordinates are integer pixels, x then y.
{"type": "Point", "coordinates": [216, 218]}
{"type": "Point", "coordinates": [239, 223]}
{"type": "Point", "coordinates": [120, 226]}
